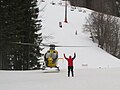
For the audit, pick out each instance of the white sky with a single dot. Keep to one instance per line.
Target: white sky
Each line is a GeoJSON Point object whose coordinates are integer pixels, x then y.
{"type": "Point", "coordinates": [89, 60]}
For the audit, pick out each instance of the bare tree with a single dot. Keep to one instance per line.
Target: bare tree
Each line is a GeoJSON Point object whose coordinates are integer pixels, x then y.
{"type": "Point", "coordinates": [105, 29]}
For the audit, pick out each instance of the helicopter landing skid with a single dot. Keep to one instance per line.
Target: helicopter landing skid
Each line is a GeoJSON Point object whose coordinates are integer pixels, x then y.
{"type": "Point", "coordinates": [57, 68]}
{"type": "Point", "coordinates": [45, 68]}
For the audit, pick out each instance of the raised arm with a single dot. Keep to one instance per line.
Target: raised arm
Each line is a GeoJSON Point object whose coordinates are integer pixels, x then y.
{"type": "Point", "coordinates": [65, 57]}
{"type": "Point", "coordinates": [74, 56]}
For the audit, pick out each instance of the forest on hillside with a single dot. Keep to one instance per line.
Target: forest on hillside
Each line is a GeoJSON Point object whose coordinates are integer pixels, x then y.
{"type": "Point", "coordinates": [111, 7]}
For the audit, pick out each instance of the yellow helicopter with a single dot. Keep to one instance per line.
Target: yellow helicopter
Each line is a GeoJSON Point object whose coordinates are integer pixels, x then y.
{"type": "Point", "coordinates": [50, 57]}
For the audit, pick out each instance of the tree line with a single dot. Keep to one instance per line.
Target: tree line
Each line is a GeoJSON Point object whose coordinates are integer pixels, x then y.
{"type": "Point", "coordinates": [104, 30]}
{"type": "Point", "coordinates": [104, 6]}
{"type": "Point", "coordinates": [19, 23]}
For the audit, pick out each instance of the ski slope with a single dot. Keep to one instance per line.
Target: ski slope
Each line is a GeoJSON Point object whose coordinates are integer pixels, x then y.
{"type": "Point", "coordinates": [87, 57]}
{"type": "Point", "coordinates": [94, 68]}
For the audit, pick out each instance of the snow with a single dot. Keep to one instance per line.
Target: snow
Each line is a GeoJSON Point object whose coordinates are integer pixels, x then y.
{"type": "Point", "coordinates": [85, 79]}
{"type": "Point", "coordinates": [94, 68]}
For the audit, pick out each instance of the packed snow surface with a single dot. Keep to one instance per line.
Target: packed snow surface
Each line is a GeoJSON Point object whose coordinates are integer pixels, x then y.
{"type": "Point", "coordinates": [85, 79]}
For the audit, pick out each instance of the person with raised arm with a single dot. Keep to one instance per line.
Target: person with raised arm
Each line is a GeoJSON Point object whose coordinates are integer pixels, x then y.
{"type": "Point", "coordinates": [70, 64]}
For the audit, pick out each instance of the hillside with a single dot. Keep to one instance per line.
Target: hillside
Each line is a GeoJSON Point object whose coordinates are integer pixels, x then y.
{"type": "Point", "coordinates": [87, 57]}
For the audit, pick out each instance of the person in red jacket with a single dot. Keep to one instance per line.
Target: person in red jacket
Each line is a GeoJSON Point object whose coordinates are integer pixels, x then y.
{"type": "Point", "coordinates": [70, 64]}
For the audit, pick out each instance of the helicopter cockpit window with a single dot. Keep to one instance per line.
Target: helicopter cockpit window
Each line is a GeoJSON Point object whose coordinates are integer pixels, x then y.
{"type": "Point", "coordinates": [54, 55]}
{"type": "Point", "coordinates": [47, 55]}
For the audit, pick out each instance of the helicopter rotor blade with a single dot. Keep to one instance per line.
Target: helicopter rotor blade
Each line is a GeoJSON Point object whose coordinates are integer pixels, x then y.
{"type": "Point", "coordinates": [45, 45]}
{"type": "Point", "coordinates": [29, 44]}
{"type": "Point", "coordinates": [71, 46]}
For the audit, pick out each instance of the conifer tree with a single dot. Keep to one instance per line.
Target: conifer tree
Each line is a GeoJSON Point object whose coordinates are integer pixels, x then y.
{"type": "Point", "coordinates": [21, 24]}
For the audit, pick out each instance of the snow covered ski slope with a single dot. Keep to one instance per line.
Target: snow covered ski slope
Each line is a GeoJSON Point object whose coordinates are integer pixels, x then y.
{"type": "Point", "coordinates": [87, 57]}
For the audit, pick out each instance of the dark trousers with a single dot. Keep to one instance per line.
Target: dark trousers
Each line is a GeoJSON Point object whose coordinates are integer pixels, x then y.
{"type": "Point", "coordinates": [70, 68]}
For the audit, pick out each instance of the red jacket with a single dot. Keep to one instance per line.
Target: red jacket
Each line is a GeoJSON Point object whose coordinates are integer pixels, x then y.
{"type": "Point", "coordinates": [70, 59]}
